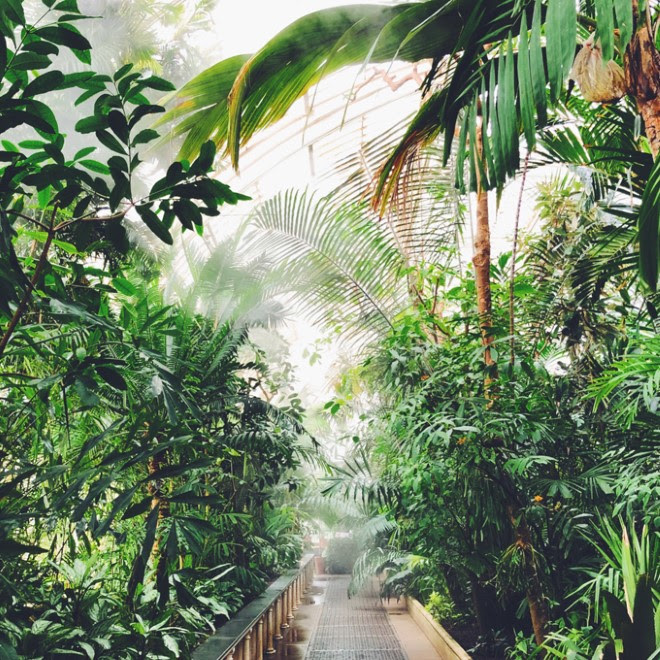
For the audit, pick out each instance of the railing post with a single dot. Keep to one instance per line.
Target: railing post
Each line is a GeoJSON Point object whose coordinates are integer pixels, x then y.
{"type": "Point", "coordinates": [247, 645]}
{"type": "Point", "coordinates": [294, 594]}
{"type": "Point", "coordinates": [290, 598]}
{"type": "Point", "coordinates": [270, 634]}
{"type": "Point", "coordinates": [259, 655]}
{"type": "Point", "coordinates": [283, 611]}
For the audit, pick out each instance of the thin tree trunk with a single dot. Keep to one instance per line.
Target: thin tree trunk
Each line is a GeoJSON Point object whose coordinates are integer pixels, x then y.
{"type": "Point", "coordinates": [22, 306]}
{"type": "Point", "coordinates": [538, 608]}
{"type": "Point", "coordinates": [158, 499]}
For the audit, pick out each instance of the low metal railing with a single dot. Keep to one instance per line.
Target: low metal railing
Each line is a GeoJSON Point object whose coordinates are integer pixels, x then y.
{"type": "Point", "coordinates": [253, 632]}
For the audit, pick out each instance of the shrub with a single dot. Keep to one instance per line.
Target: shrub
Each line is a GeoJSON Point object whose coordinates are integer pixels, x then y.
{"type": "Point", "coordinates": [340, 555]}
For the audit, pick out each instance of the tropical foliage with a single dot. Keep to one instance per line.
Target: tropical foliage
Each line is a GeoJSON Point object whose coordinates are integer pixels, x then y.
{"type": "Point", "coordinates": [499, 457]}
{"type": "Point", "coordinates": [146, 488]}
{"type": "Point", "coordinates": [531, 400]}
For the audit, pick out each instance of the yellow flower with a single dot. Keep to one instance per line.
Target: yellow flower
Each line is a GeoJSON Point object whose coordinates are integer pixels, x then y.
{"type": "Point", "coordinates": [461, 441]}
{"type": "Point", "coordinates": [538, 498]}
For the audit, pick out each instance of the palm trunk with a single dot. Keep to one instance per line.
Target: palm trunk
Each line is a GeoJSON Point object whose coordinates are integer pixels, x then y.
{"type": "Point", "coordinates": [642, 68]}
{"type": "Point", "coordinates": [481, 259]}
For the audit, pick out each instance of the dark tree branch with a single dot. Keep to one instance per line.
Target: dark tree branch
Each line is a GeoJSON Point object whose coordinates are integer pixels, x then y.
{"type": "Point", "coordinates": [20, 310]}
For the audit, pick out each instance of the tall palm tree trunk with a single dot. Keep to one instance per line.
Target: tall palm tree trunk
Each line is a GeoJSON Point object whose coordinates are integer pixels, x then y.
{"type": "Point", "coordinates": [536, 600]}
{"type": "Point", "coordinates": [642, 69]}
{"type": "Point", "coordinates": [481, 262]}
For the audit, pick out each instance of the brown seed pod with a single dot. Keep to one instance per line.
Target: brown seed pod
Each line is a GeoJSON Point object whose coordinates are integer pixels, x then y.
{"type": "Point", "coordinates": [599, 82]}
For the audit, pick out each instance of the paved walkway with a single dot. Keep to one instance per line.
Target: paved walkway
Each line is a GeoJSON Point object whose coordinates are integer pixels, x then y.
{"type": "Point", "coordinates": [352, 629]}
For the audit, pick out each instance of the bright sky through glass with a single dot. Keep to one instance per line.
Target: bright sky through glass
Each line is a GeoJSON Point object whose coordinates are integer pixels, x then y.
{"type": "Point", "coordinates": [245, 25]}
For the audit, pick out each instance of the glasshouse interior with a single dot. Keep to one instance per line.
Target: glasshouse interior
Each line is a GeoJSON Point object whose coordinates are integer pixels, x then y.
{"type": "Point", "coordinates": [330, 330]}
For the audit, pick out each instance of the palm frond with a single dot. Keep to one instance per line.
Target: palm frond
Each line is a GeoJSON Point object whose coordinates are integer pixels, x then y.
{"type": "Point", "coordinates": [631, 383]}
{"type": "Point", "coordinates": [355, 481]}
{"type": "Point", "coordinates": [394, 563]}
{"type": "Point", "coordinates": [337, 260]}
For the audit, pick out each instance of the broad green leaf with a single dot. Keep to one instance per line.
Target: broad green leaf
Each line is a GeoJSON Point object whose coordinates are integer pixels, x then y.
{"type": "Point", "coordinates": [85, 151]}
{"type": "Point", "coordinates": [91, 124]}
{"type": "Point", "coordinates": [649, 231]}
{"type": "Point", "coordinates": [144, 136]}
{"type": "Point", "coordinates": [140, 563]}
{"type": "Point", "coordinates": [64, 36]}
{"type": "Point", "coordinates": [124, 287]}
{"type": "Point", "coordinates": [537, 68]}
{"type": "Point", "coordinates": [66, 247]}
{"type": "Point", "coordinates": [112, 377]}
{"type": "Point", "coordinates": [46, 82]}
{"type": "Point", "coordinates": [525, 88]}
{"type": "Point", "coordinates": [568, 13]}
{"type": "Point", "coordinates": [119, 125]}
{"type": "Point", "coordinates": [95, 166]}
{"type": "Point", "coordinates": [27, 61]}
{"type": "Point", "coordinates": [122, 72]}
{"type": "Point", "coordinates": [3, 56]}
{"type": "Point", "coordinates": [154, 223]}
{"type": "Point", "coordinates": [14, 9]}
{"type": "Point", "coordinates": [159, 84]}
{"type": "Point", "coordinates": [11, 548]}
{"type": "Point", "coordinates": [67, 5]}
{"type": "Point", "coordinates": [13, 118]}
{"type": "Point", "coordinates": [108, 140]}
{"type": "Point", "coordinates": [187, 212]}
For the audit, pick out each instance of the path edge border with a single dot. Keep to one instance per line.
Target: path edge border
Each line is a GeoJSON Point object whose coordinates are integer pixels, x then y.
{"type": "Point", "coordinates": [442, 641]}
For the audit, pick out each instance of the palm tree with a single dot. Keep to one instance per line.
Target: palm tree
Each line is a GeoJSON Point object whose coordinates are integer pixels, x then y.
{"type": "Point", "coordinates": [498, 70]}
{"type": "Point", "coordinates": [497, 66]}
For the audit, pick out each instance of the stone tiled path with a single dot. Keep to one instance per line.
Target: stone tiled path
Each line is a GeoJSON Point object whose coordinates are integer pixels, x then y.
{"type": "Point", "coordinates": [352, 629]}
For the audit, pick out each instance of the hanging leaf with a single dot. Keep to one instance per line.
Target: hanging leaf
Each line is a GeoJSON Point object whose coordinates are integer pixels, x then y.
{"type": "Point", "coordinates": [525, 87]}
{"type": "Point", "coordinates": [537, 68]}
{"type": "Point", "coordinates": [112, 377]}
{"type": "Point", "coordinates": [11, 548]}
{"type": "Point", "coordinates": [624, 20]}
{"type": "Point", "coordinates": [142, 558]}
{"type": "Point", "coordinates": [154, 223]}
{"type": "Point", "coordinates": [46, 82]}
{"type": "Point", "coordinates": [605, 27]}
{"type": "Point", "coordinates": [553, 48]}
{"type": "Point", "coordinates": [649, 235]}
{"type": "Point", "coordinates": [568, 33]}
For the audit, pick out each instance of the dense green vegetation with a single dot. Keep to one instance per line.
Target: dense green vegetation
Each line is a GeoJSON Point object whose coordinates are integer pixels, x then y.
{"type": "Point", "coordinates": [460, 465]}
{"type": "Point", "coordinates": [144, 484]}
{"type": "Point", "coordinates": [501, 417]}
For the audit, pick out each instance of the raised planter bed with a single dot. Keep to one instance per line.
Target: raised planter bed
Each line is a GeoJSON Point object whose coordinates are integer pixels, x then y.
{"type": "Point", "coordinates": [446, 646]}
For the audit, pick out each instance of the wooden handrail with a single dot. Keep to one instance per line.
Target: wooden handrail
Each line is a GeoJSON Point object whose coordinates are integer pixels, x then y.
{"type": "Point", "coordinates": [253, 631]}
